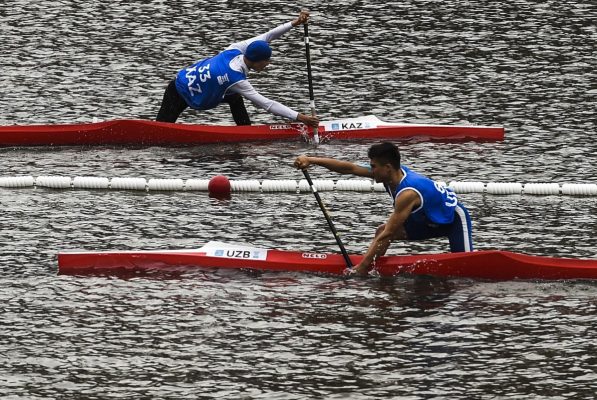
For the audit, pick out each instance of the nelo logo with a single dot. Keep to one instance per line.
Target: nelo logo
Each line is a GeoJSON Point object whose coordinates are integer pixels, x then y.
{"type": "Point", "coordinates": [315, 255]}
{"type": "Point", "coordinates": [276, 127]}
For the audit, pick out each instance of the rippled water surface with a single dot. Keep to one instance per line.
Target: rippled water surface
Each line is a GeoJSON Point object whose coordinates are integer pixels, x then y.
{"type": "Point", "coordinates": [527, 65]}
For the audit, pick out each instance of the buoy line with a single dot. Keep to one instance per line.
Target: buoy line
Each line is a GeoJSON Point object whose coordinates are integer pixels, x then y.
{"type": "Point", "coordinates": [222, 184]}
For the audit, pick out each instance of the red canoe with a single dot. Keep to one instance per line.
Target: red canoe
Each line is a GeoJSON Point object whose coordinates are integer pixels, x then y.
{"type": "Point", "coordinates": [151, 133]}
{"type": "Point", "coordinates": [491, 265]}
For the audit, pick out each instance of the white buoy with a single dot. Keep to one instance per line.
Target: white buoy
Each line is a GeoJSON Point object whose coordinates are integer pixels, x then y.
{"type": "Point", "coordinates": [322, 185]}
{"type": "Point", "coordinates": [196, 184]}
{"type": "Point", "coordinates": [579, 189]}
{"type": "Point", "coordinates": [303, 186]}
{"type": "Point", "coordinates": [467, 187]}
{"type": "Point", "coordinates": [17, 181]}
{"type": "Point", "coordinates": [379, 187]}
{"type": "Point", "coordinates": [250, 185]}
{"type": "Point", "coordinates": [90, 182]}
{"type": "Point", "coordinates": [326, 185]}
{"type": "Point", "coordinates": [54, 182]}
{"type": "Point", "coordinates": [128, 183]}
{"type": "Point", "coordinates": [165, 184]}
{"type": "Point", "coordinates": [268, 185]}
{"type": "Point", "coordinates": [291, 185]}
{"type": "Point", "coordinates": [541, 188]}
{"type": "Point", "coordinates": [504, 188]}
{"type": "Point", "coordinates": [357, 185]}
{"type": "Point", "coordinates": [343, 185]}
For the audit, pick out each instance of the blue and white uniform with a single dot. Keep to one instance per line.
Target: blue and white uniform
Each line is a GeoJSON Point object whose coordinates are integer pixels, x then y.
{"type": "Point", "coordinates": [204, 84]}
{"type": "Point", "coordinates": [439, 215]}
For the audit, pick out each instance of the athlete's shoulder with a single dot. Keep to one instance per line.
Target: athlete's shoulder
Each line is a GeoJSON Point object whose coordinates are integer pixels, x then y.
{"type": "Point", "coordinates": [409, 172]}
{"type": "Point", "coordinates": [229, 54]}
{"type": "Point", "coordinates": [407, 197]}
{"type": "Point", "coordinates": [231, 51]}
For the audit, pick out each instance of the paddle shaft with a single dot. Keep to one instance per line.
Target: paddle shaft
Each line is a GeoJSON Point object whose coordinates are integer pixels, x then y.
{"type": "Point", "coordinates": [328, 219]}
{"type": "Point", "coordinates": [310, 79]}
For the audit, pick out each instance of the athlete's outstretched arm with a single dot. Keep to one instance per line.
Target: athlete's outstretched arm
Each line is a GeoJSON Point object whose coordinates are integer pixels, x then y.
{"type": "Point", "coordinates": [273, 33]}
{"type": "Point", "coordinates": [340, 166]}
{"type": "Point", "coordinates": [245, 89]}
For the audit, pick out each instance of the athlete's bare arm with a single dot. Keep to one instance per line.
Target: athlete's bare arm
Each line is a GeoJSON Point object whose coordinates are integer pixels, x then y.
{"type": "Point", "coordinates": [406, 201]}
{"type": "Point", "coordinates": [339, 166]}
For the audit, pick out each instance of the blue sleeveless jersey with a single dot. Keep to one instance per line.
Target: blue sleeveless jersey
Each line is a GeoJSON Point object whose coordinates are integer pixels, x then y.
{"type": "Point", "coordinates": [204, 83]}
{"type": "Point", "coordinates": [438, 201]}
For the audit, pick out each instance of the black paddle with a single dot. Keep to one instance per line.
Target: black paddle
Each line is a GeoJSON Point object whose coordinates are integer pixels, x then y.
{"type": "Point", "coordinates": [310, 78]}
{"type": "Point", "coordinates": [328, 219]}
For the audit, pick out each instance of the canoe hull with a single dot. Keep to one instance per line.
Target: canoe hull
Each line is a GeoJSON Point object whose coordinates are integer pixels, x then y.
{"type": "Point", "coordinates": [151, 133]}
{"type": "Point", "coordinates": [490, 265]}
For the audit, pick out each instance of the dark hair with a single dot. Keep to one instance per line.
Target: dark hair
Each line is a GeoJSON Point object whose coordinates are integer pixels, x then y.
{"type": "Point", "coordinates": [386, 153]}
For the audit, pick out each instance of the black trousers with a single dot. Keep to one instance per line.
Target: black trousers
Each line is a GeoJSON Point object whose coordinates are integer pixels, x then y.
{"type": "Point", "coordinates": [173, 105]}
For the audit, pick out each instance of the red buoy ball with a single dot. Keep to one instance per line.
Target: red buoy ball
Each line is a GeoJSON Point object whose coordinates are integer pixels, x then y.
{"type": "Point", "coordinates": [219, 185]}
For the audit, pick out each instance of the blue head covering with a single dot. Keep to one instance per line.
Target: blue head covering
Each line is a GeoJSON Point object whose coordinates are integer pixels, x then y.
{"type": "Point", "coordinates": [258, 50]}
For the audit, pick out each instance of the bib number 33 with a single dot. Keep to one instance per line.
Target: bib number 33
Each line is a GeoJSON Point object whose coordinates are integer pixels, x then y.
{"type": "Point", "coordinates": [197, 73]}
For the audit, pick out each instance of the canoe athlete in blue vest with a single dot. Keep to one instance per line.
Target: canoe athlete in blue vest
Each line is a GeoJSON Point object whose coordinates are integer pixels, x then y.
{"type": "Point", "coordinates": [223, 79]}
{"type": "Point", "coordinates": [423, 209]}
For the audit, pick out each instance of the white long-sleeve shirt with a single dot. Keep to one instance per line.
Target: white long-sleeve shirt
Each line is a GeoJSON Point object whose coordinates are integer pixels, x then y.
{"type": "Point", "coordinates": [244, 87]}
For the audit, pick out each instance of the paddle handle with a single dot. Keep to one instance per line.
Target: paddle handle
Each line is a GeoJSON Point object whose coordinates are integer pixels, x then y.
{"type": "Point", "coordinates": [310, 79]}
{"type": "Point", "coordinates": [328, 219]}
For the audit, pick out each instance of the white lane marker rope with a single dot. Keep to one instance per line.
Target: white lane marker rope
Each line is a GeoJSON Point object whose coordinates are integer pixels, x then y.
{"type": "Point", "coordinates": [287, 185]}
